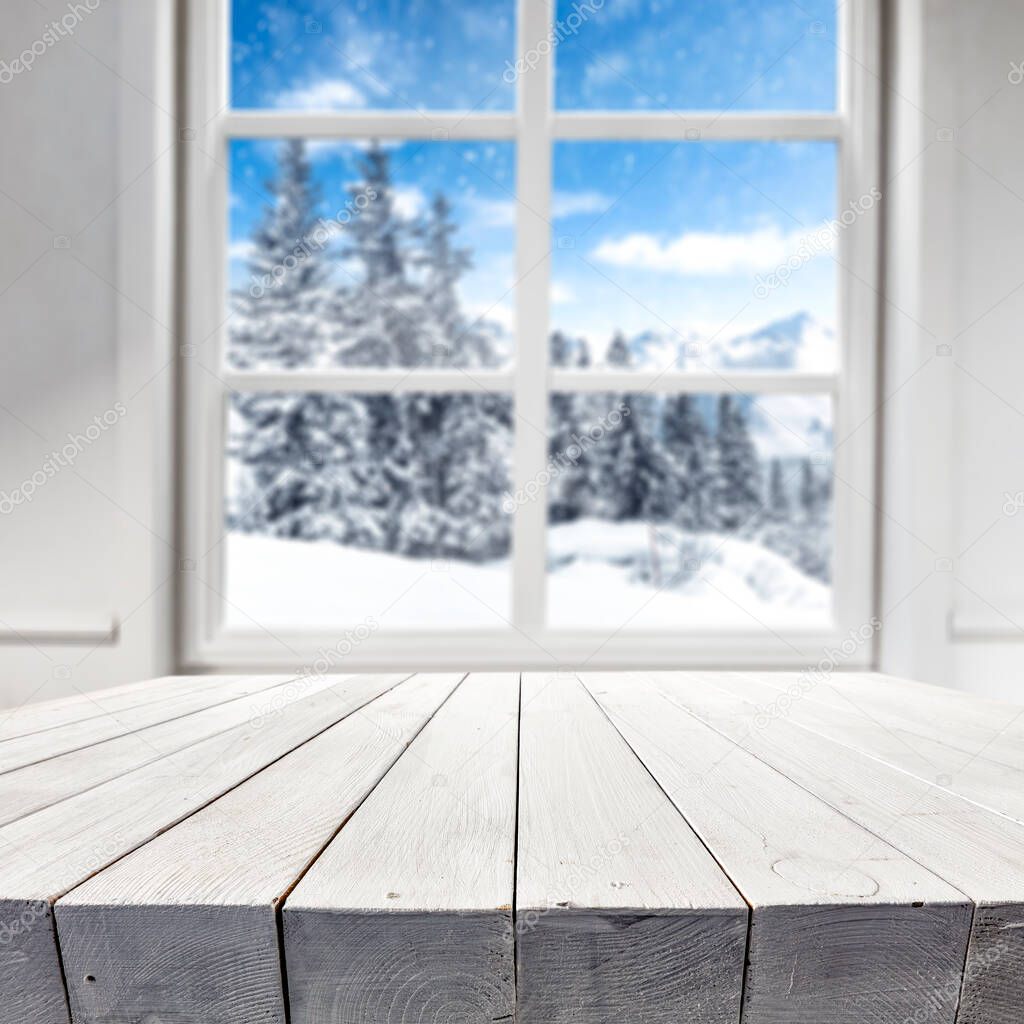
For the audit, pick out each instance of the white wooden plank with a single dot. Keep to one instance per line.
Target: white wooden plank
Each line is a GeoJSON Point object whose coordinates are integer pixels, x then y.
{"type": "Point", "coordinates": [25, 750]}
{"type": "Point", "coordinates": [407, 915]}
{"type": "Point", "coordinates": [621, 914]}
{"type": "Point", "coordinates": [980, 853]}
{"type": "Point", "coordinates": [845, 928]}
{"type": "Point", "coordinates": [992, 728]}
{"type": "Point", "coordinates": [29, 789]}
{"type": "Point", "coordinates": [885, 686]}
{"type": "Point", "coordinates": [185, 928]}
{"type": "Point", "coordinates": [32, 718]}
{"type": "Point", "coordinates": [49, 852]}
{"type": "Point", "coordinates": [977, 758]}
{"type": "Point", "coordinates": [954, 719]}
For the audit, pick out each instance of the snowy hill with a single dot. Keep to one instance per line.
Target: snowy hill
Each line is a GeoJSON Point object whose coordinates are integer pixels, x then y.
{"type": "Point", "coordinates": [701, 579]}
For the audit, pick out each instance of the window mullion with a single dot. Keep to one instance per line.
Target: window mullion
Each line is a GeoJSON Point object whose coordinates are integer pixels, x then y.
{"type": "Point", "coordinates": [533, 185]}
{"type": "Point", "coordinates": [358, 381]}
{"type": "Point", "coordinates": [397, 124]}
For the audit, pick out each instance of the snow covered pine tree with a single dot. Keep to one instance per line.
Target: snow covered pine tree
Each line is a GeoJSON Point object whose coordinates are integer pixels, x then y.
{"type": "Point", "coordinates": [418, 475]}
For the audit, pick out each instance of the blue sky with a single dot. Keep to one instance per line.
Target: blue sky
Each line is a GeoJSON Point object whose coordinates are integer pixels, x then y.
{"type": "Point", "coordinates": [646, 235]}
{"type": "Point", "coordinates": [623, 54]}
{"type": "Point", "coordinates": [478, 179]}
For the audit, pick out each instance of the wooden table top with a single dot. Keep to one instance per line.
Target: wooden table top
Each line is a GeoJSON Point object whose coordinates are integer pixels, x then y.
{"type": "Point", "coordinates": [647, 848]}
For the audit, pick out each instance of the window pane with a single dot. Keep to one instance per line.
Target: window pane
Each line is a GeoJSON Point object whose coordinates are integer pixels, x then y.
{"type": "Point", "coordinates": [685, 511]}
{"type": "Point", "coordinates": [359, 255]}
{"type": "Point", "coordinates": [353, 54]}
{"type": "Point", "coordinates": [727, 55]}
{"type": "Point", "coordinates": [343, 508]}
{"type": "Point", "coordinates": [695, 256]}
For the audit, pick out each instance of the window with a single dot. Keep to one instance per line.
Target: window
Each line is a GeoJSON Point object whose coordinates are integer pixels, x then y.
{"type": "Point", "coordinates": [529, 334]}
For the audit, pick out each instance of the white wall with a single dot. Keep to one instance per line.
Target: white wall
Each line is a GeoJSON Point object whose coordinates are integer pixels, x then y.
{"type": "Point", "coordinates": [89, 153]}
{"type": "Point", "coordinates": [88, 142]}
{"type": "Point", "coordinates": [954, 365]}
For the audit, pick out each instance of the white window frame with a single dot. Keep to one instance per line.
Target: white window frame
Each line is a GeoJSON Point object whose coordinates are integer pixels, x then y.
{"type": "Point", "coordinates": [534, 126]}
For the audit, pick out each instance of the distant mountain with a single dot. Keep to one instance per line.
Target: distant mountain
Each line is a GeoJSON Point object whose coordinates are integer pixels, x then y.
{"type": "Point", "coordinates": [798, 342]}
{"type": "Point", "coordinates": [665, 350]}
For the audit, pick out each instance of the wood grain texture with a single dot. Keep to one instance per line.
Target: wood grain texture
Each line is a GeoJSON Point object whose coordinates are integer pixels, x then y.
{"type": "Point", "coordinates": [49, 852]}
{"type": "Point", "coordinates": [621, 914]}
{"type": "Point", "coordinates": [975, 850]}
{"type": "Point", "coordinates": [185, 928]}
{"type": "Point", "coordinates": [974, 752]}
{"type": "Point", "coordinates": [406, 918]}
{"type": "Point", "coordinates": [845, 928]}
{"type": "Point", "coordinates": [30, 718]}
{"type": "Point", "coordinates": [39, 746]}
{"type": "Point", "coordinates": [993, 986]}
{"type": "Point", "coordinates": [29, 789]}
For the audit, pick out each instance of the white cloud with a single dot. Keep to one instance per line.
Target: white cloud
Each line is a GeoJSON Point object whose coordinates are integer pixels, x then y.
{"type": "Point", "coordinates": [480, 25]}
{"type": "Point", "coordinates": [566, 204]}
{"type": "Point", "coordinates": [704, 252]}
{"type": "Point", "coordinates": [409, 200]}
{"type": "Point", "coordinates": [561, 293]}
{"type": "Point", "coordinates": [325, 94]}
{"type": "Point", "coordinates": [501, 314]}
{"type": "Point", "coordinates": [609, 69]}
{"type": "Point", "coordinates": [321, 149]}
{"type": "Point", "coordinates": [622, 9]}
{"type": "Point", "coordinates": [240, 250]}
{"type": "Point", "coordinates": [492, 213]}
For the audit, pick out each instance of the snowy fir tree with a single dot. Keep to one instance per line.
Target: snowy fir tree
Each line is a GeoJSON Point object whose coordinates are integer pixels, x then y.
{"type": "Point", "coordinates": [454, 339]}
{"type": "Point", "coordinates": [618, 354]}
{"type": "Point", "coordinates": [305, 454]}
{"type": "Point", "coordinates": [778, 497]}
{"type": "Point", "coordinates": [736, 487]}
{"type": "Point", "coordinates": [560, 350]}
{"type": "Point", "coordinates": [686, 441]}
{"type": "Point", "coordinates": [278, 319]}
{"type": "Point", "coordinates": [287, 441]}
{"type": "Point", "coordinates": [811, 492]}
{"type": "Point", "coordinates": [378, 471]}
{"type": "Point", "coordinates": [380, 310]}
{"type": "Point", "coordinates": [565, 491]}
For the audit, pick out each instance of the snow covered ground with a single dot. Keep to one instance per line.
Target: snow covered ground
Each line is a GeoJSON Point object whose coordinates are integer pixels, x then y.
{"type": "Point", "coordinates": [657, 577]}
{"type": "Point", "coordinates": [601, 575]}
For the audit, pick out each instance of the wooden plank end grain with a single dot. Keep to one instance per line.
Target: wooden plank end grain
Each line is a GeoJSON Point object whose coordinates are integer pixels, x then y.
{"type": "Point", "coordinates": [407, 915]}
{"type": "Point", "coordinates": [186, 927]}
{"type": "Point", "coordinates": [621, 912]}
{"type": "Point", "coordinates": [845, 928]}
{"type": "Point", "coordinates": [55, 849]}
